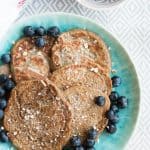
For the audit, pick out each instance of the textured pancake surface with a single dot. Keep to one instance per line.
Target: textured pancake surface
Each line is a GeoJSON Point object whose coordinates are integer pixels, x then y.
{"type": "Point", "coordinates": [73, 45]}
{"type": "Point", "coordinates": [37, 117]}
{"type": "Point", "coordinates": [86, 113]}
{"type": "Point", "coordinates": [88, 74]}
{"type": "Point", "coordinates": [29, 61]}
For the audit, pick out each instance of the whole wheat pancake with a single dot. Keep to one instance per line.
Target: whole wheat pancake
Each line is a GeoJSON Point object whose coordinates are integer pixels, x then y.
{"type": "Point", "coordinates": [86, 114]}
{"type": "Point", "coordinates": [29, 61]}
{"type": "Point", "coordinates": [73, 45]}
{"type": "Point", "coordinates": [37, 117]}
{"type": "Point", "coordinates": [88, 74]}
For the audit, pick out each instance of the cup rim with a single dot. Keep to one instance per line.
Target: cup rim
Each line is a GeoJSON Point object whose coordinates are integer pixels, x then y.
{"type": "Point", "coordinates": [96, 7]}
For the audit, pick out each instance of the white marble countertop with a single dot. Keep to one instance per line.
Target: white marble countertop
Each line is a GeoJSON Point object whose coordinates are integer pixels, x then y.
{"type": "Point", "coordinates": [130, 24]}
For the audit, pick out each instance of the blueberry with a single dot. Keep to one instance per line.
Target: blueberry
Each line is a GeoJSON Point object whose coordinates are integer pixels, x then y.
{"type": "Point", "coordinates": [3, 136]}
{"type": "Point", "coordinates": [116, 81]}
{"type": "Point", "coordinates": [115, 119]}
{"type": "Point", "coordinates": [75, 141]}
{"type": "Point", "coordinates": [40, 42]}
{"type": "Point", "coordinates": [1, 129]}
{"type": "Point", "coordinates": [5, 58]}
{"type": "Point", "coordinates": [79, 148]}
{"type": "Point", "coordinates": [66, 148]}
{"type": "Point", "coordinates": [2, 92]}
{"type": "Point", "coordinates": [53, 31]}
{"type": "Point", "coordinates": [90, 148]}
{"type": "Point", "coordinates": [9, 84]}
{"type": "Point", "coordinates": [110, 115]}
{"type": "Point", "coordinates": [100, 101]}
{"type": "Point", "coordinates": [40, 31]}
{"type": "Point", "coordinates": [92, 133]}
{"type": "Point", "coordinates": [1, 114]}
{"type": "Point", "coordinates": [28, 31]}
{"type": "Point", "coordinates": [111, 128]}
{"type": "Point", "coordinates": [122, 102]}
{"type": "Point", "coordinates": [3, 78]}
{"type": "Point", "coordinates": [114, 108]}
{"type": "Point", "coordinates": [113, 96]}
{"type": "Point", "coordinates": [90, 142]}
{"type": "Point", "coordinates": [3, 103]}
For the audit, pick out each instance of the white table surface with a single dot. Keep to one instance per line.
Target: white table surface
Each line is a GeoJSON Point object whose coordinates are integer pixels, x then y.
{"type": "Point", "coordinates": [9, 10]}
{"type": "Point", "coordinates": [130, 24]}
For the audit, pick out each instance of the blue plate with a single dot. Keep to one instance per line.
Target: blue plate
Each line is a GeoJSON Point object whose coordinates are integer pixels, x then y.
{"type": "Point", "coordinates": [120, 62]}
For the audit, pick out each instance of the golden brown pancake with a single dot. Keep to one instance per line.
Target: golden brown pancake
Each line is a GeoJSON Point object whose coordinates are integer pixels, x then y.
{"type": "Point", "coordinates": [72, 46]}
{"type": "Point", "coordinates": [37, 116]}
{"type": "Point", "coordinates": [88, 74]}
{"type": "Point", "coordinates": [86, 113]}
{"type": "Point", "coordinates": [29, 61]}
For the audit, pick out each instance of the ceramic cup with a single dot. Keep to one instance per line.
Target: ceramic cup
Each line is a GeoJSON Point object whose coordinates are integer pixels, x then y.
{"type": "Point", "coordinates": [98, 4]}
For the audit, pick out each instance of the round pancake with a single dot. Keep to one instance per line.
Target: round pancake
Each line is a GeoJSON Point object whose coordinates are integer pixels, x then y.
{"type": "Point", "coordinates": [73, 45]}
{"type": "Point", "coordinates": [88, 74]}
{"type": "Point", "coordinates": [37, 116]}
{"type": "Point", "coordinates": [29, 61]}
{"type": "Point", "coordinates": [85, 113]}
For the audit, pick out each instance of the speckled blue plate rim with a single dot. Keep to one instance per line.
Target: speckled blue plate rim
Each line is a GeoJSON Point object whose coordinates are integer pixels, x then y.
{"type": "Point", "coordinates": [84, 19]}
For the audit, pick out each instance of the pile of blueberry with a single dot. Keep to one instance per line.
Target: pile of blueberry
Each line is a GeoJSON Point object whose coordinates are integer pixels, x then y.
{"type": "Point", "coordinates": [117, 102]}
{"type": "Point", "coordinates": [29, 31]}
{"type": "Point", "coordinates": [6, 85]}
{"type": "Point", "coordinates": [5, 58]}
{"type": "Point", "coordinates": [89, 143]}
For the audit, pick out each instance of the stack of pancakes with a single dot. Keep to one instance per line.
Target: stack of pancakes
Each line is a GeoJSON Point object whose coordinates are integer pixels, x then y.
{"type": "Point", "coordinates": [56, 89]}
